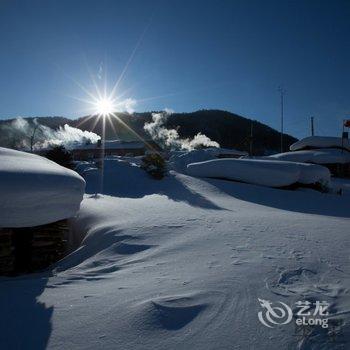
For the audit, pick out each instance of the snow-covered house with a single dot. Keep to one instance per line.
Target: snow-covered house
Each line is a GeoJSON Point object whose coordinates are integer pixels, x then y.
{"type": "Point", "coordinates": [113, 148]}
{"type": "Point", "coordinates": [316, 142]}
{"type": "Point", "coordinates": [263, 172]}
{"type": "Point", "coordinates": [37, 197]}
{"type": "Point", "coordinates": [331, 152]}
{"type": "Point", "coordinates": [178, 160]}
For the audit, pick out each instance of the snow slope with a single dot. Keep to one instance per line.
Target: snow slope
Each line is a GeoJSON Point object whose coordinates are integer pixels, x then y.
{"type": "Point", "coordinates": [260, 171]}
{"type": "Point", "coordinates": [182, 265]}
{"type": "Point", "coordinates": [36, 191]}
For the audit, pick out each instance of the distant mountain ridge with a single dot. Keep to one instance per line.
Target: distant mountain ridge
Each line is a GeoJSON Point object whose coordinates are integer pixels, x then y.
{"type": "Point", "coordinates": [228, 129]}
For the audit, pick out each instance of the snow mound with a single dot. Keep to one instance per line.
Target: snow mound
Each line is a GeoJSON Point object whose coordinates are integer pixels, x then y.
{"type": "Point", "coordinates": [260, 172]}
{"type": "Point", "coordinates": [180, 159]}
{"type": "Point", "coordinates": [320, 142]}
{"type": "Point", "coordinates": [172, 313]}
{"type": "Point", "coordinates": [313, 173]}
{"type": "Point", "coordinates": [317, 156]}
{"type": "Point", "coordinates": [36, 191]}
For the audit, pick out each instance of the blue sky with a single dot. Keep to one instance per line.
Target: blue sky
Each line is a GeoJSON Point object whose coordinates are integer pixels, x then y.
{"type": "Point", "coordinates": [190, 55]}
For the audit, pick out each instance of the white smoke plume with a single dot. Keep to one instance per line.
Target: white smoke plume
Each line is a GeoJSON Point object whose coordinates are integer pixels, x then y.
{"type": "Point", "coordinates": [170, 138]}
{"type": "Point", "coordinates": [68, 136]}
{"type": "Point", "coordinates": [127, 105]}
{"type": "Point", "coordinates": [34, 136]}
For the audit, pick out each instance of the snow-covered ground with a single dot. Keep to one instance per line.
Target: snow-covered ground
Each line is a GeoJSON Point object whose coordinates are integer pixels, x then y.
{"type": "Point", "coordinates": [180, 264]}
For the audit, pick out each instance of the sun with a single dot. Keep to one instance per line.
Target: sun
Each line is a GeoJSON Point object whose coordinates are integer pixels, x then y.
{"type": "Point", "coordinates": [104, 106]}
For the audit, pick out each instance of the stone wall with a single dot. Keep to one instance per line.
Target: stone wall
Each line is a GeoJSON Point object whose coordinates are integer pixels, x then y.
{"type": "Point", "coordinates": [7, 259]}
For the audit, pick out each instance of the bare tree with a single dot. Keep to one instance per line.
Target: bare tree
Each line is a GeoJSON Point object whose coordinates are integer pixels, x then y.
{"type": "Point", "coordinates": [32, 138]}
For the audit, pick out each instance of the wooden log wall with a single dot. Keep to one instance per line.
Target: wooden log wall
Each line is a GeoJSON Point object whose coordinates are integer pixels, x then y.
{"type": "Point", "coordinates": [31, 249]}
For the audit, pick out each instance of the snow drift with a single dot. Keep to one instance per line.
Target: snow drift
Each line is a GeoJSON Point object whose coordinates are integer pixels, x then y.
{"type": "Point", "coordinates": [320, 142]}
{"type": "Point", "coordinates": [36, 191]}
{"type": "Point", "coordinates": [261, 172]}
{"type": "Point", "coordinates": [313, 173]}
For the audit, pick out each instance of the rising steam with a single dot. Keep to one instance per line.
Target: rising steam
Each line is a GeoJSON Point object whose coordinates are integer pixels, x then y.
{"type": "Point", "coordinates": [25, 135]}
{"type": "Point", "coordinates": [170, 138]}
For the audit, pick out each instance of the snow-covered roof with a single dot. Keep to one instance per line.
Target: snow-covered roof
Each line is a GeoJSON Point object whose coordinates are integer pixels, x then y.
{"type": "Point", "coordinates": [217, 151]}
{"type": "Point", "coordinates": [317, 156]}
{"type": "Point", "coordinates": [260, 171]}
{"type": "Point", "coordinates": [320, 142]}
{"type": "Point", "coordinates": [36, 191]}
{"type": "Point", "coordinates": [112, 144]}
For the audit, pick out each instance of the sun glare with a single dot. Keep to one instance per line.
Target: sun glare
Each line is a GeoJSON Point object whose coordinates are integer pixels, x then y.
{"type": "Point", "coordinates": [104, 107]}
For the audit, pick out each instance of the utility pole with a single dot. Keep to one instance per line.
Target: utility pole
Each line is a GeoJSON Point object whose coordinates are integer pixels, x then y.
{"type": "Point", "coordinates": [342, 137]}
{"type": "Point", "coordinates": [312, 126]}
{"type": "Point", "coordinates": [251, 139]}
{"type": "Point", "coordinates": [282, 92]}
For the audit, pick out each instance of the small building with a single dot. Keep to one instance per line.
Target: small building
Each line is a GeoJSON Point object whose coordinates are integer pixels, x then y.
{"type": "Point", "coordinates": [37, 199]}
{"type": "Point", "coordinates": [317, 142]}
{"type": "Point", "coordinates": [331, 152]}
{"type": "Point", "coordinates": [113, 148]}
{"type": "Point", "coordinates": [229, 153]}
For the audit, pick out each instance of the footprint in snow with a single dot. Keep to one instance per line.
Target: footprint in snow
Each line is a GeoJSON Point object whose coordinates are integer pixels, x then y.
{"type": "Point", "coordinates": [293, 281]}
{"type": "Point", "coordinates": [292, 276]}
{"type": "Point", "coordinates": [302, 282]}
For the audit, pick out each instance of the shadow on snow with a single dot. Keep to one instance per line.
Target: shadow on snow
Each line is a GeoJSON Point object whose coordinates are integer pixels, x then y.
{"type": "Point", "coordinates": [132, 182]}
{"type": "Point", "coordinates": [25, 322]}
{"type": "Point", "coordinates": [300, 201]}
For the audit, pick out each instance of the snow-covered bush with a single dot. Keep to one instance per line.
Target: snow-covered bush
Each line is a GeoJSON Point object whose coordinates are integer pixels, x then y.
{"type": "Point", "coordinates": [323, 186]}
{"type": "Point", "coordinates": [61, 156]}
{"type": "Point", "coordinates": [154, 164]}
